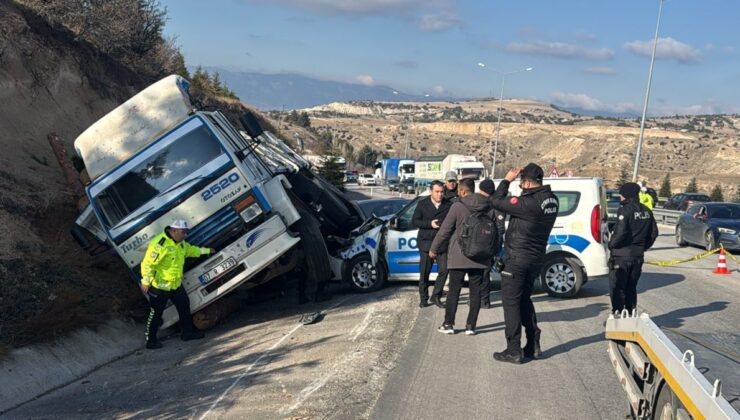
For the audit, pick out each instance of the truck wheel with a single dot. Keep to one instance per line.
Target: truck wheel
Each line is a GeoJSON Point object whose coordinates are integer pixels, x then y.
{"type": "Point", "coordinates": [666, 407]}
{"type": "Point", "coordinates": [562, 277]}
{"type": "Point", "coordinates": [680, 241]}
{"type": "Point", "coordinates": [363, 276]}
{"type": "Point", "coordinates": [316, 256]}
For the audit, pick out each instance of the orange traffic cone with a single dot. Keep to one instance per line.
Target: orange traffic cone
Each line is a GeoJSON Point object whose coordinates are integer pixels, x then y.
{"type": "Point", "coordinates": [721, 263]}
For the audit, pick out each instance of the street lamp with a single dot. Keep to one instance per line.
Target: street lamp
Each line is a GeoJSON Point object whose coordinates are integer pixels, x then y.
{"type": "Point", "coordinates": [647, 97]}
{"type": "Point", "coordinates": [500, 108]}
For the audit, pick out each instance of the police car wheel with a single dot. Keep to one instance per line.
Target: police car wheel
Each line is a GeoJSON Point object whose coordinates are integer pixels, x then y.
{"type": "Point", "coordinates": [363, 276]}
{"type": "Point", "coordinates": [680, 241]}
{"type": "Point", "coordinates": [561, 277]}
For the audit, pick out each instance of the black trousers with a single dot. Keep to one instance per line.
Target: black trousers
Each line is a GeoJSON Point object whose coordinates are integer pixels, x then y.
{"type": "Point", "coordinates": [517, 283]}
{"type": "Point", "coordinates": [157, 303]}
{"type": "Point", "coordinates": [623, 278]}
{"type": "Point", "coordinates": [457, 277]}
{"type": "Point", "coordinates": [425, 267]}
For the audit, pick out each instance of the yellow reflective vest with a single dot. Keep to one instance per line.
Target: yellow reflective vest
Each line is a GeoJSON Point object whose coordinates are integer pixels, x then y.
{"type": "Point", "coordinates": [646, 199]}
{"type": "Point", "coordinates": [164, 262]}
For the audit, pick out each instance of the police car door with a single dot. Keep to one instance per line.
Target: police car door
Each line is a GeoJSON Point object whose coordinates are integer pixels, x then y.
{"type": "Point", "coordinates": [402, 254]}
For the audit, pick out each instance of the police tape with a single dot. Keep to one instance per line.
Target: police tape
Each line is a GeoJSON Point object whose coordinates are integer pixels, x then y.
{"type": "Point", "coordinates": [676, 262]}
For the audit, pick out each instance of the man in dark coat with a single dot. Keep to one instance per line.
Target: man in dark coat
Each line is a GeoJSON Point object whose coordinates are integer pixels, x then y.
{"type": "Point", "coordinates": [634, 233]}
{"type": "Point", "coordinates": [451, 185]}
{"type": "Point", "coordinates": [428, 216]}
{"type": "Point", "coordinates": [532, 216]}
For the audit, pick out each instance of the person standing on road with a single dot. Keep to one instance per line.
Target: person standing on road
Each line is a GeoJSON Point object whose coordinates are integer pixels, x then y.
{"type": "Point", "coordinates": [487, 188]}
{"type": "Point", "coordinates": [428, 216]}
{"type": "Point", "coordinates": [161, 280]}
{"type": "Point", "coordinates": [634, 233]}
{"type": "Point", "coordinates": [458, 264]}
{"type": "Point", "coordinates": [451, 185]}
{"type": "Point", "coordinates": [532, 216]}
{"type": "Point", "coordinates": [645, 198]}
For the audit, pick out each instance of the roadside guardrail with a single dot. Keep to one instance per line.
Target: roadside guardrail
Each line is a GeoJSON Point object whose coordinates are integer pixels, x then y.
{"type": "Point", "coordinates": [666, 217]}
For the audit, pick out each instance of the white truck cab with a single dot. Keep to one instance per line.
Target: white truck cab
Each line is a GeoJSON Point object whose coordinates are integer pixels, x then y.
{"type": "Point", "coordinates": [576, 252]}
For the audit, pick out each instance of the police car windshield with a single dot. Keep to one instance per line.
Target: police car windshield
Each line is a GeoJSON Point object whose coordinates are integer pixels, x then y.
{"type": "Point", "coordinates": [158, 174]}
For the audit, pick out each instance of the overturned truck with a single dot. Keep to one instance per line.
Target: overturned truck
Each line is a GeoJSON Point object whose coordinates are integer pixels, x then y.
{"type": "Point", "coordinates": [157, 158]}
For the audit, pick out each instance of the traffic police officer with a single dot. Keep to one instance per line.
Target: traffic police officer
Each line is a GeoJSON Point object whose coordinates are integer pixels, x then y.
{"type": "Point", "coordinates": [161, 280]}
{"type": "Point", "coordinates": [532, 216]}
{"type": "Point", "coordinates": [634, 233]}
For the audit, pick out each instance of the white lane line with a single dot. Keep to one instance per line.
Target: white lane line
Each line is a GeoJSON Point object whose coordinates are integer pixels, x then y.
{"type": "Point", "coordinates": [273, 347]}
{"type": "Point", "coordinates": [360, 327]}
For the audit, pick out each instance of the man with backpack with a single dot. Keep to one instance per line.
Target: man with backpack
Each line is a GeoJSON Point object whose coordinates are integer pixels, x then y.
{"type": "Point", "coordinates": [532, 216]}
{"type": "Point", "coordinates": [486, 189]}
{"type": "Point", "coordinates": [472, 238]}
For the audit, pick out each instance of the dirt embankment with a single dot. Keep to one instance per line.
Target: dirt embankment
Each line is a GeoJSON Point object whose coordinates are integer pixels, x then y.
{"type": "Point", "coordinates": [50, 82]}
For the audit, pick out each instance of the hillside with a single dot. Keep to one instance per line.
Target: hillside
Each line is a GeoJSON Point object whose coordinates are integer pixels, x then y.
{"type": "Point", "coordinates": [707, 147]}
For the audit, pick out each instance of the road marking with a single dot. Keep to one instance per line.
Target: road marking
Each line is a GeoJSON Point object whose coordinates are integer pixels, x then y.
{"type": "Point", "coordinates": [273, 347]}
{"type": "Point", "coordinates": [360, 327]}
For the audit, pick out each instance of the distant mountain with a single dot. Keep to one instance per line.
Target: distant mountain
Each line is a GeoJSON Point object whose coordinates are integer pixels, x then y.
{"type": "Point", "coordinates": [590, 113]}
{"type": "Point", "coordinates": [294, 91]}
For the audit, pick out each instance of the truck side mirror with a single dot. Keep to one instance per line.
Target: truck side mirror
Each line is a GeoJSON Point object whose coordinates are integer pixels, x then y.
{"type": "Point", "coordinates": [251, 125]}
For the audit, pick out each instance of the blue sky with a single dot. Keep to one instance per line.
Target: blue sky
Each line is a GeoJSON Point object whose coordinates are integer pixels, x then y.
{"type": "Point", "coordinates": [591, 54]}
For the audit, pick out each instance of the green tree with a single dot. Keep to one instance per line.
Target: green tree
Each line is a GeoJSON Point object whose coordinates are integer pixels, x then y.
{"type": "Point", "coordinates": [623, 177]}
{"type": "Point", "coordinates": [366, 156]}
{"type": "Point", "coordinates": [692, 188]}
{"type": "Point", "coordinates": [716, 194]}
{"type": "Point", "coordinates": [332, 171]}
{"type": "Point", "coordinates": [665, 187]}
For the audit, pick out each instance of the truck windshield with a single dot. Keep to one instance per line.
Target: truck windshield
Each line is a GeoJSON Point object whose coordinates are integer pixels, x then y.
{"type": "Point", "coordinates": [158, 174]}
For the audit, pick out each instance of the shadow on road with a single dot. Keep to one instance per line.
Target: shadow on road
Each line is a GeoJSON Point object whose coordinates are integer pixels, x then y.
{"type": "Point", "coordinates": [591, 310]}
{"type": "Point", "coordinates": [675, 319]}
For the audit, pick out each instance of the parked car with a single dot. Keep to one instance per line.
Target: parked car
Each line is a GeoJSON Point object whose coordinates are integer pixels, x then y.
{"type": "Point", "coordinates": [381, 208]}
{"type": "Point", "coordinates": [366, 179]}
{"type": "Point", "coordinates": [392, 184]}
{"type": "Point", "coordinates": [350, 177]}
{"type": "Point", "coordinates": [407, 186]}
{"type": "Point", "coordinates": [612, 207]}
{"type": "Point", "coordinates": [710, 224]}
{"type": "Point", "coordinates": [685, 200]}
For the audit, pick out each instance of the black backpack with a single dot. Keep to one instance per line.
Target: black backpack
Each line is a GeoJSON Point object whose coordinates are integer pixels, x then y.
{"type": "Point", "coordinates": [479, 236]}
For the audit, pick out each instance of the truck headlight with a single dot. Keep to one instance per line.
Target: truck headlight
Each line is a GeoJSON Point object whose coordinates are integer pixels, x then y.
{"type": "Point", "coordinates": [725, 230]}
{"type": "Point", "coordinates": [251, 212]}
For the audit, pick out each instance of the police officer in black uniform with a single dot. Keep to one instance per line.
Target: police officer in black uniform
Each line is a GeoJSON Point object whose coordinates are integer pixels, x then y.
{"type": "Point", "coordinates": [634, 233]}
{"type": "Point", "coordinates": [532, 216]}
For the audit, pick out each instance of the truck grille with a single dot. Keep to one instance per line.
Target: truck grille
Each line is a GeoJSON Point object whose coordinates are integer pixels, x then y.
{"type": "Point", "coordinates": [219, 230]}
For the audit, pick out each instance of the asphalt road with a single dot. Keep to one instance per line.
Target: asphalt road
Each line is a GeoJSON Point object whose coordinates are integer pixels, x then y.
{"type": "Point", "coordinates": [441, 376]}
{"type": "Point", "coordinates": [378, 356]}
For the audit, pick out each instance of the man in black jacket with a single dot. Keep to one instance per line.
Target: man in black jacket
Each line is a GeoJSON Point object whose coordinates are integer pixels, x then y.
{"type": "Point", "coordinates": [450, 185]}
{"type": "Point", "coordinates": [487, 188]}
{"type": "Point", "coordinates": [532, 216]}
{"type": "Point", "coordinates": [428, 217]}
{"type": "Point", "coordinates": [634, 233]}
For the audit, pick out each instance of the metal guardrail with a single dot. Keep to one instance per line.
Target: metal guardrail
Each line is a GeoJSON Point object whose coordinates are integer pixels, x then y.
{"type": "Point", "coordinates": [667, 217]}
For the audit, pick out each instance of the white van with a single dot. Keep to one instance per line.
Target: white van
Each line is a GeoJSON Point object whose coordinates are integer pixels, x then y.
{"type": "Point", "coordinates": [577, 249]}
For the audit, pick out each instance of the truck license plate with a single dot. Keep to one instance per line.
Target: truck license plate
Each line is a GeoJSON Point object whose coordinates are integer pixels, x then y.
{"type": "Point", "coordinates": [217, 270]}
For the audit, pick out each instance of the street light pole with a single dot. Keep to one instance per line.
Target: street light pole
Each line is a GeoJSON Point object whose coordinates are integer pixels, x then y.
{"type": "Point", "coordinates": [647, 96]}
{"type": "Point", "coordinates": [500, 109]}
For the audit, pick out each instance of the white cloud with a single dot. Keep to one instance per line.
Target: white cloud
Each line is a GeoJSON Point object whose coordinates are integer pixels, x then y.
{"type": "Point", "coordinates": [439, 90]}
{"type": "Point", "coordinates": [585, 102]}
{"type": "Point", "coordinates": [668, 49]}
{"type": "Point", "coordinates": [366, 80]}
{"type": "Point", "coordinates": [559, 50]}
{"type": "Point", "coordinates": [438, 23]}
{"type": "Point", "coordinates": [728, 49]}
{"type": "Point", "coordinates": [601, 70]}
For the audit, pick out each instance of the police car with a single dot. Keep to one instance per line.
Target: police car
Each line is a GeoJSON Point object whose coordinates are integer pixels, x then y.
{"type": "Point", "coordinates": [386, 249]}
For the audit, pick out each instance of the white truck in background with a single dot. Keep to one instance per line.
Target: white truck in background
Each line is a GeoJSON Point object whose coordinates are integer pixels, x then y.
{"type": "Point", "coordinates": [157, 158]}
{"type": "Point", "coordinates": [430, 168]}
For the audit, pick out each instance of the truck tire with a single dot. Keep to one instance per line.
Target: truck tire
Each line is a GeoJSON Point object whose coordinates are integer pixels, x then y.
{"type": "Point", "coordinates": [561, 276]}
{"type": "Point", "coordinates": [680, 240]}
{"type": "Point", "coordinates": [316, 267]}
{"type": "Point", "coordinates": [363, 276]}
{"type": "Point", "coordinates": [668, 406]}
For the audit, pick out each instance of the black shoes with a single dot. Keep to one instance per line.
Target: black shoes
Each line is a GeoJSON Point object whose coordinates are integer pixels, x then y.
{"type": "Point", "coordinates": [486, 305]}
{"type": "Point", "coordinates": [532, 349]}
{"type": "Point", "coordinates": [437, 302]}
{"type": "Point", "coordinates": [195, 335]}
{"type": "Point", "coordinates": [423, 303]}
{"type": "Point", "coordinates": [156, 344]}
{"type": "Point", "coordinates": [514, 357]}
{"type": "Point", "coordinates": [446, 329]}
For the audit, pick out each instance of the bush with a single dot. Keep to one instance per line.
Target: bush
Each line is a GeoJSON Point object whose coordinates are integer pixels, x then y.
{"type": "Point", "coordinates": [692, 188]}
{"type": "Point", "coordinates": [665, 187]}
